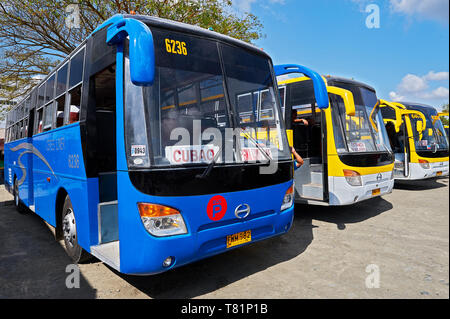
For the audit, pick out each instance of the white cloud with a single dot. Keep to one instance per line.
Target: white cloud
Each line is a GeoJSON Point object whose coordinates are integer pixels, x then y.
{"type": "Point", "coordinates": [412, 83]}
{"type": "Point", "coordinates": [414, 87]}
{"type": "Point", "coordinates": [244, 5]}
{"type": "Point", "coordinates": [428, 9]}
{"type": "Point", "coordinates": [439, 76]}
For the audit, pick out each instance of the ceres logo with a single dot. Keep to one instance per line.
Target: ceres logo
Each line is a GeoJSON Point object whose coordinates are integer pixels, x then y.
{"type": "Point", "coordinates": [217, 208]}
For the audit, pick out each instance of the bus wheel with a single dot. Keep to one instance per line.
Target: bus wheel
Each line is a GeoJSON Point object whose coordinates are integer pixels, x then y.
{"type": "Point", "coordinates": [69, 230]}
{"type": "Point", "coordinates": [17, 203]}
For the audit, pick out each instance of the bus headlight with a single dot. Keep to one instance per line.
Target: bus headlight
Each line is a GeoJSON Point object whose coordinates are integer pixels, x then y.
{"type": "Point", "coordinates": [162, 221]}
{"type": "Point", "coordinates": [288, 199]}
{"type": "Point", "coordinates": [353, 178]}
{"type": "Point", "coordinates": [424, 164]}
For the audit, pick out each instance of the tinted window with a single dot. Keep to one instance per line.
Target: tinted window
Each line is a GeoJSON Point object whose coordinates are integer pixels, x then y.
{"type": "Point", "coordinates": [76, 69]}
{"type": "Point", "coordinates": [61, 80]}
{"type": "Point", "coordinates": [41, 94]}
{"type": "Point", "coordinates": [50, 88]}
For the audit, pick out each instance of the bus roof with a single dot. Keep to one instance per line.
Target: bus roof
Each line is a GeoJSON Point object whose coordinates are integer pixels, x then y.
{"type": "Point", "coordinates": [182, 27]}
{"type": "Point", "coordinates": [329, 79]}
{"type": "Point", "coordinates": [153, 21]}
{"type": "Point", "coordinates": [424, 108]}
{"type": "Point", "coordinates": [349, 81]}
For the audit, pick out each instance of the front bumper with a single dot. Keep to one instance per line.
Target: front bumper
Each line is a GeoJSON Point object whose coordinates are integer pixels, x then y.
{"type": "Point", "coordinates": [417, 172]}
{"type": "Point", "coordinates": [373, 185]}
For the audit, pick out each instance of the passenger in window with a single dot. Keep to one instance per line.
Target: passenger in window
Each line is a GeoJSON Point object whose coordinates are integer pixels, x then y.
{"type": "Point", "coordinates": [295, 119]}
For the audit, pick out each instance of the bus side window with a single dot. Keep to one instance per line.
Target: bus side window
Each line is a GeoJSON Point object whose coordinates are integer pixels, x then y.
{"type": "Point", "coordinates": [48, 116]}
{"type": "Point", "coordinates": [61, 86]}
{"type": "Point", "coordinates": [25, 127]}
{"type": "Point", "coordinates": [74, 104]}
{"type": "Point", "coordinates": [282, 91]}
{"type": "Point", "coordinates": [39, 120]}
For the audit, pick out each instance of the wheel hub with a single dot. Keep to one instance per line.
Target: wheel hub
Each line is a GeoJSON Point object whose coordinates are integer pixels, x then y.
{"type": "Point", "coordinates": [69, 228]}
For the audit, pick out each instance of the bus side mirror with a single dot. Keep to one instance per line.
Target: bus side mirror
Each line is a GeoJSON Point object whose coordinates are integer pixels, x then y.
{"type": "Point", "coordinates": [141, 50]}
{"type": "Point", "coordinates": [347, 96]}
{"type": "Point", "coordinates": [320, 88]}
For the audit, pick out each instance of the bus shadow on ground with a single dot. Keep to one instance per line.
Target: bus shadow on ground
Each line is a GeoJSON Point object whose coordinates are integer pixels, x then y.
{"type": "Point", "coordinates": [32, 263]}
{"type": "Point", "coordinates": [216, 272]}
{"type": "Point", "coordinates": [421, 185]}
{"type": "Point", "coordinates": [342, 215]}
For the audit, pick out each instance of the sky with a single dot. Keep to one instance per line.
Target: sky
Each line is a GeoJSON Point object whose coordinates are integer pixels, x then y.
{"type": "Point", "coordinates": [404, 55]}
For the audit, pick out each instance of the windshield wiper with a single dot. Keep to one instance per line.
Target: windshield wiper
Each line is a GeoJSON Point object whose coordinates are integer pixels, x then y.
{"type": "Point", "coordinates": [254, 141]}
{"type": "Point", "coordinates": [211, 165]}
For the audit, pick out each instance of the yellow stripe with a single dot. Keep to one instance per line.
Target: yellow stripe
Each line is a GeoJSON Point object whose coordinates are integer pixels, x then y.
{"type": "Point", "coordinates": [215, 97]}
{"type": "Point", "coordinates": [167, 107]}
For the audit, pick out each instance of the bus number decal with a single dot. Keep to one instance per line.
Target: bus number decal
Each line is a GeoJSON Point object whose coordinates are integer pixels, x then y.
{"type": "Point", "coordinates": [138, 150]}
{"type": "Point", "coordinates": [176, 47]}
{"type": "Point", "coordinates": [74, 161]}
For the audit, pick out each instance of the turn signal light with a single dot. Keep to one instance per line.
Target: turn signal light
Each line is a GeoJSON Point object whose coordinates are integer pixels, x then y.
{"type": "Point", "coordinates": [353, 178]}
{"type": "Point", "coordinates": [161, 221]}
{"type": "Point", "coordinates": [288, 199]}
{"type": "Point", "coordinates": [424, 164]}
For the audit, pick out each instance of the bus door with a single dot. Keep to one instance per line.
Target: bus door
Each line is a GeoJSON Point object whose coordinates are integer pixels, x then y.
{"type": "Point", "coordinates": [103, 90]}
{"type": "Point", "coordinates": [394, 120]}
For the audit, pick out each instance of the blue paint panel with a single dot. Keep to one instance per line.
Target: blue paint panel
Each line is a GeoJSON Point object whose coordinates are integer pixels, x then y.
{"type": "Point", "coordinates": [53, 161]}
{"type": "Point", "coordinates": [142, 253]}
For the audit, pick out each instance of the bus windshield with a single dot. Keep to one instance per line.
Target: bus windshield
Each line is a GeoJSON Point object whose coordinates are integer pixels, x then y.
{"type": "Point", "coordinates": [194, 111]}
{"type": "Point", "coordinates": [434, 134]}
{"type": "Point", "coordinates": [354, 134]}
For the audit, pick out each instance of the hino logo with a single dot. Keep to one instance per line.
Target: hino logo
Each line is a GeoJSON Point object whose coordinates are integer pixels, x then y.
{"type": "Point", "coordinates": [379, 177]}
{"type": "Point", "coordinates": [242, 211]}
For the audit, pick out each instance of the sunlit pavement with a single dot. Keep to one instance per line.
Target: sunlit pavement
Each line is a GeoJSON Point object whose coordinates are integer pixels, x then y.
{"type": "Point", "coordinates": [391, 247]}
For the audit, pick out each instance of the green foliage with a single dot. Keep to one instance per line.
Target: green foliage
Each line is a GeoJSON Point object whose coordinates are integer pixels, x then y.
{"type": "Point", "coordinates": [34, 36]}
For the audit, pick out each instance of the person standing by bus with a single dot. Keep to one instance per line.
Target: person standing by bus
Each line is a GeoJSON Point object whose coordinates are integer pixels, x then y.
{"type": "Point", "coordinates": [298, 161]}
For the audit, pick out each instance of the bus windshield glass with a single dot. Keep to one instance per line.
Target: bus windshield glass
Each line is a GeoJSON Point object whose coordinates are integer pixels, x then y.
{"type": "Point", "coordinates": [434, 134]}
{"type": "Point", "coordinates": [209, 102]}
{"type": "Point", "coordinates": [364, 132]}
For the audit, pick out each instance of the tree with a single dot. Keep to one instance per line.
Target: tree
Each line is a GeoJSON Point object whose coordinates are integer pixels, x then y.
{"type": "Point", "coordinates": [35, 35]}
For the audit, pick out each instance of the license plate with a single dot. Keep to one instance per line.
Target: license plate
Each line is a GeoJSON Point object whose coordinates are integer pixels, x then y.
{"type": "Point", "coordinates": [239, 238]}
{"type": "Point", "coordinates": [439, 174]}
{"type": "Point", "coordinates": [376, 192]}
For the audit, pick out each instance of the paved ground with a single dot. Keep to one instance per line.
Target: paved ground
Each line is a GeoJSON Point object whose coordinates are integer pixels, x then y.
{"type": "Point", "coordinates": [325, 255]}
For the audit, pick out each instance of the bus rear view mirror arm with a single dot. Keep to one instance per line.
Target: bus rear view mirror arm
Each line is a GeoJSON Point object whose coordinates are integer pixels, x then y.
{"type": "Point", "coordinates": [398, 113]}
{"type": "Point", "coordinates": [347, 96]}
{"type": "Point", "coordinates": [142, 55]}
{"type": "Point", "coordinates": [420, 126]}
{"type": "Point", "coordinates": [320, 88]}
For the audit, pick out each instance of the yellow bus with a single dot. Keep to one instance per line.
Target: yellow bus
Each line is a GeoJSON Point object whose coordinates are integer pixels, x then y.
{"type": "Point", "coordinates": [418, 138]}
{"type": "Point", "coordinates": [345, 147]}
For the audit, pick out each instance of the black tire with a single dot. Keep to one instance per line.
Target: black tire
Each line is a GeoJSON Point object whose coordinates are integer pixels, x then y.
{"type": "Point", "coordinates": [20, 207]}
{"type": "Point", "coordinates": [69, 231]}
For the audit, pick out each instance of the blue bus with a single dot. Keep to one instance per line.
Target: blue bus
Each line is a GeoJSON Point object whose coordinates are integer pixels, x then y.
{"type": "Point", "coordinates": [134, 149]}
